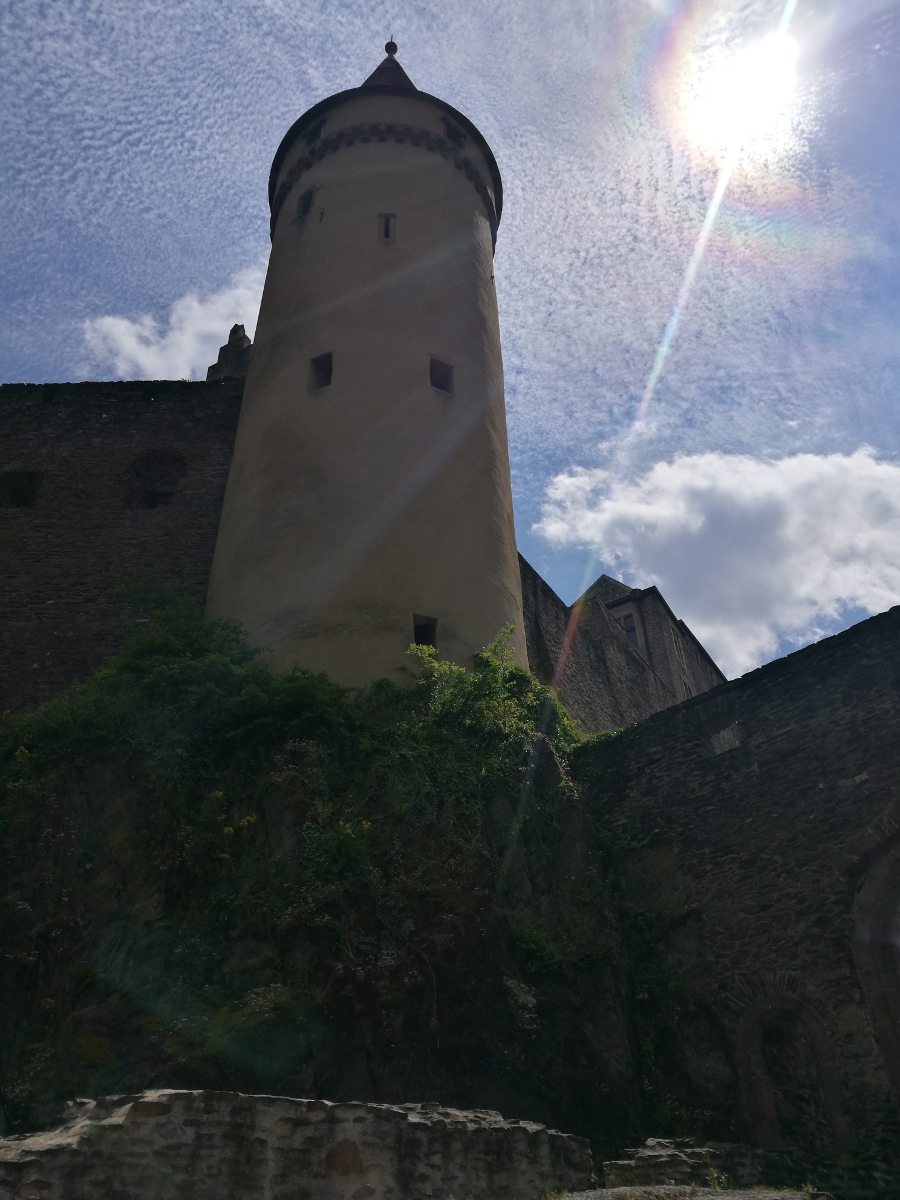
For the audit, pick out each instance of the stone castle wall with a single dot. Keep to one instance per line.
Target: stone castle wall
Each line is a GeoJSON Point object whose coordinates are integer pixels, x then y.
{"type": "Point", "coordinates": [603, 681]}
{"type": "Point", "coordinates": [757, 830]}
{"type": "Point", "coordinates": [100, 481]}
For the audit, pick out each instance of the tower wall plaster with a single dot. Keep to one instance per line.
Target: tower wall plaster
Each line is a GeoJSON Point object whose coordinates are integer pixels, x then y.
{"type": "Point", "coordinates": [353, 506]}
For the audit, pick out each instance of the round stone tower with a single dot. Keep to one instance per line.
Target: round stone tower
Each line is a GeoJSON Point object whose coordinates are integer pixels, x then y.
{"type": "Point", "coordinates": [368, 504]}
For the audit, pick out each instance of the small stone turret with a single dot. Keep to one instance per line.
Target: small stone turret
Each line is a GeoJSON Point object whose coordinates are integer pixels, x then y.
{"type": "Point", "coordinates": [234, 356]}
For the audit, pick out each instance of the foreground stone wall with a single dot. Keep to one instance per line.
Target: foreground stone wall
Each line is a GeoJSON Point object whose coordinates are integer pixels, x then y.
{"type": "Point", "coordinates": [170, 1145]}
{"type": "Point", "coordinates": [687, 1162]}
{"type": "Point", "coordinates": [757, 829]}
{"type": "Point", "coordinates": [99, 481]}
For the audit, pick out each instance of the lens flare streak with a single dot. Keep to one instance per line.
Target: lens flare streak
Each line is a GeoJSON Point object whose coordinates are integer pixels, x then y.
{"type": "Point", "coordinates": [777, 71]}
{"type": "Point", "coordinates": [684, 291]}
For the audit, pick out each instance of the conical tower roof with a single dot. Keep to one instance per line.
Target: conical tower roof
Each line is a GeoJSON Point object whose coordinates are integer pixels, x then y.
{"type": "Point", "coordinates": [388, 78]}
{"type": "Point", "coordinates": [390, 74]}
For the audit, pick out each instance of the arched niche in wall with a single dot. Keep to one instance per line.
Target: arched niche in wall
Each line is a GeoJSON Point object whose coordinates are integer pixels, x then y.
{"type": "Point", "coordinates": [876, 951]}
{"type": "Point", "coordinates": [790, 1076]}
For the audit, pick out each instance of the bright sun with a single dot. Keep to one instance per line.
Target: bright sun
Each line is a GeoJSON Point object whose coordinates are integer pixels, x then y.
{"type": "Point", "coordinates": [742, 102]}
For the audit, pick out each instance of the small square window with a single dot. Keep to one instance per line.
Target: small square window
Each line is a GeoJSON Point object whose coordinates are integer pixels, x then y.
{"type": "Point", "coordinates": [676, 642]}
{"type": "Point", "coordinates": [306, 202]}
{"type": "Point", "coordinates": [320, 371]}
{"type": "Point", "coordinates": [387, 227]}
{"type": "Point", "coordinates": [441, 375]}
{"type": "Point", "coordinates": [424, 630]}
{"type": "Point", "coordinates": [19, 489]}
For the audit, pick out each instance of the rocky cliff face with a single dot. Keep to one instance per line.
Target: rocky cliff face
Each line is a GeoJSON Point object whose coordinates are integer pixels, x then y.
{"type": "Point", "coordinates": [169, 1145]}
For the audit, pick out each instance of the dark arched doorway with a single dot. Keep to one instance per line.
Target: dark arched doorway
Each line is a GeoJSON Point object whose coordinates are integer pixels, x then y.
{"type": "Point", "coordinates": [790, 1075]}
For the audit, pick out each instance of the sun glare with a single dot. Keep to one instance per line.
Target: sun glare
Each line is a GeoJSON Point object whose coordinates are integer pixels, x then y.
{"type": "Point", "coordinates": [744, 100]}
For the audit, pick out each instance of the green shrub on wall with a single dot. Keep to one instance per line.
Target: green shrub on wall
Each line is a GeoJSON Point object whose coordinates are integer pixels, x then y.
{"type": "Point", "coordinates": [219, 876]}
{"type": "Point", "coordinates": [242, 855]}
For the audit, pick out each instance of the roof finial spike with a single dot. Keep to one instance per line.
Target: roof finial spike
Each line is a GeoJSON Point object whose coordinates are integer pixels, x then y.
{"type": "Point", "coordinates": [391, 46]}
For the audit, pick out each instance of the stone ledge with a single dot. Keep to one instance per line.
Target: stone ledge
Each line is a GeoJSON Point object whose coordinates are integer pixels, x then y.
{"type": "Point", "coordinates": [167, 1145]}
{"type": "Point", "coordinates": [682, 1192]}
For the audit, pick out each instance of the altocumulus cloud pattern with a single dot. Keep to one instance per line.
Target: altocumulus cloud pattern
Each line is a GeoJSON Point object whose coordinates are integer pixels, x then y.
{"type": "Point", "coordinates": [136, 142]}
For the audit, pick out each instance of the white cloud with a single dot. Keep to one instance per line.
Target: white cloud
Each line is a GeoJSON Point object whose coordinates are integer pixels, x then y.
{"type": "Point", "coordinates": [750, 552]}
{"type": "Point", "coordinates": [197, 328]}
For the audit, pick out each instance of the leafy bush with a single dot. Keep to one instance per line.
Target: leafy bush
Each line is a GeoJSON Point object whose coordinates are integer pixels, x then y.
{"type": "Point", "coordinates": [304, 850]}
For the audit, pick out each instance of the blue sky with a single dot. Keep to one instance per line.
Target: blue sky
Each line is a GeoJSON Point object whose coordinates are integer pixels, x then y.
{"type": "Point", "coordinates": [761, 490]}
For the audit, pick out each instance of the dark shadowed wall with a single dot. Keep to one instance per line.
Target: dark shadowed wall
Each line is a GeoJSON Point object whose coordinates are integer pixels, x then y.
{"type": "Point", "coordinates": [604, 681]}
{"type": "Point", "coordinates": [99, 481]}
{"type": "Point", "coordinates": [758, 834]}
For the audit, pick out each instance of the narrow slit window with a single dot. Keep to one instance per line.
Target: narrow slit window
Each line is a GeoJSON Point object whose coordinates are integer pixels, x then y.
{"type": "Point", "coordinates": [320, 371]}
{"type": "Point", "coordinates": [424, 630]}
{"type": "Point", "coordinates": [387, 227]}
{"type": "Point", "coordinates": [630, 629]}
{"type": "Point", "coordinates": [679, 649]}
{"type": "Point", "coordinates": [305, 204]}
{"type": "Point", "coordinates": [441, 375]}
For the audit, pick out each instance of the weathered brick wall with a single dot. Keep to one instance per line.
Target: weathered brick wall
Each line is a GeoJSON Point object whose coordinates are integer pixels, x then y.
{"type": "Point", "coordinates": [121, 477]}
{"type": "Point", "coordinates": [748, 821]}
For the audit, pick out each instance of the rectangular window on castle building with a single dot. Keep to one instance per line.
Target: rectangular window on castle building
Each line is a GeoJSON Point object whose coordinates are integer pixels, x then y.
{"type": "Point", "coordinates": [320, 371]}
{"type": "Point", "coordinates": [424, 630]}
{"type": "Point", "coordinates": [679, 648]}
{"type": "Point", "coordinates": [441, 375]}
{"type": "Point", "coordinates": [387, 227]}
{"type": "Point", "coordinates": [630, 629]}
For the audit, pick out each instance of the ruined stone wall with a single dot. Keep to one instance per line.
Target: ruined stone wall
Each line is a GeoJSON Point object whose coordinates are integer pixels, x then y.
{"type": "Point", "coordinates": [99, 481]}
{"type": "Point", "coordinates": [757, 831]}
{"type": "Point", "coordinates": [603, 681]}
{"type": "Point", "coordinates": [170, 1145]}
